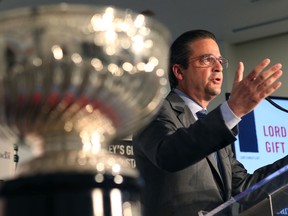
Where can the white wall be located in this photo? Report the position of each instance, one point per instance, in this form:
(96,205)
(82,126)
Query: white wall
(275,48)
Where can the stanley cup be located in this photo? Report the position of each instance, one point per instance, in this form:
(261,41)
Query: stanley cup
(74,79)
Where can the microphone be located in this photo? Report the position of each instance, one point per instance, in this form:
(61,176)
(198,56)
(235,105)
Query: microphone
(276,105)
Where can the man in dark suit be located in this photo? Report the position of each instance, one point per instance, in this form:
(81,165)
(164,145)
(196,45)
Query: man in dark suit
(176,152)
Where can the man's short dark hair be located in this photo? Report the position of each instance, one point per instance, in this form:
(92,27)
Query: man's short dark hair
(180,50)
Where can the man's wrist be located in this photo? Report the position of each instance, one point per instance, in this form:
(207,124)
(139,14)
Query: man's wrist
(231,120)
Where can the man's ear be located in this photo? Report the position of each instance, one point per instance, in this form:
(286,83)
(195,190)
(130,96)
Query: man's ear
(177,70)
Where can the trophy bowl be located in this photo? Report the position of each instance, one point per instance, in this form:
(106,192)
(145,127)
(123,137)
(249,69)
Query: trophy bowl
(74,79)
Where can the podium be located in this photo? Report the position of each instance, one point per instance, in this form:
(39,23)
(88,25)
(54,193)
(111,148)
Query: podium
(268,197)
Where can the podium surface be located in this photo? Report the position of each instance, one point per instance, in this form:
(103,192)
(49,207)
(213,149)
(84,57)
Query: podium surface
(268,197)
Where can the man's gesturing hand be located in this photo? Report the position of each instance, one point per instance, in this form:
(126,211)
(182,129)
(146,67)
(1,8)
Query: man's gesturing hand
(249,91)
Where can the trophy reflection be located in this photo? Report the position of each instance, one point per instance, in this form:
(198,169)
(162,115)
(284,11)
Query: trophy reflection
(74,79)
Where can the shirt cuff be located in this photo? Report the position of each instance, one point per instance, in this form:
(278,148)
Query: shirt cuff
(231,120)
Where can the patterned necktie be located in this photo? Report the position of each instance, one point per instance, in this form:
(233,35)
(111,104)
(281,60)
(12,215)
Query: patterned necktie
(202,114)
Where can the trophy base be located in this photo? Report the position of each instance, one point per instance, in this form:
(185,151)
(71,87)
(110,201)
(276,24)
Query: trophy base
(70,194)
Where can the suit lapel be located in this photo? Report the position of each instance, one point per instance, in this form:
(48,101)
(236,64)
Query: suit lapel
(225,174)
(183,112)
(186,118)
(213,162)
(217,175)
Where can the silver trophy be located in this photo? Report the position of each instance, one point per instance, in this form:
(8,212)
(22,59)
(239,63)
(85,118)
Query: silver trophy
(74,79)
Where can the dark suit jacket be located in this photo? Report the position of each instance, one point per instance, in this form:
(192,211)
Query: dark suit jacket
(173,155)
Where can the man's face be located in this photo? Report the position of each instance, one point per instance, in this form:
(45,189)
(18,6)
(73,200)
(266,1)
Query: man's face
(201,80)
